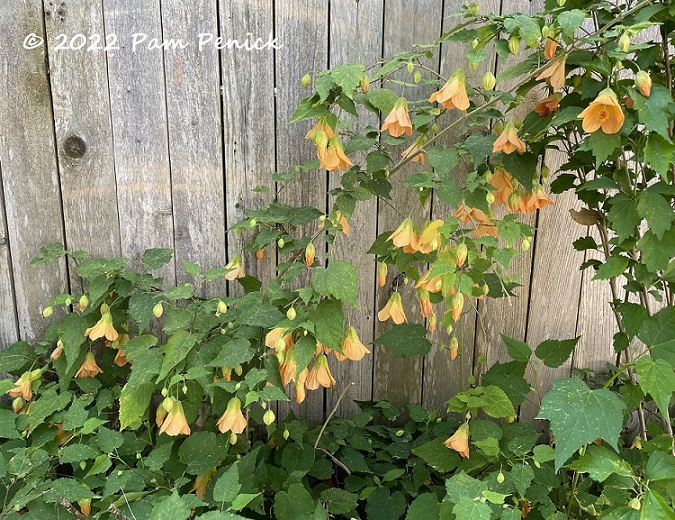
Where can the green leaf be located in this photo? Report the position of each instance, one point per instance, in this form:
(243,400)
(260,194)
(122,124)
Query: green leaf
(227,487)
(308,108)
(109,440)
(76,453)
(522,476)
(517,350)
(140,308)
(571,21)
(222,515)
(660,466)
(134,403)
(623,216)
(654,507)
(614,266)
(171,508)
(657,254)
(338,501)
(658,333)
(16,356)
(467,508)
(8,425)
(527,27)
(339,279)
(202,451)
(406,340)
(579,415)
(656,379)
(660,154)
(425,507)
(348,77)
(328,320)
(437,455)
(304,348)
(48,403)
(442,159)
(462,485)
(523,166)
(155,258)
(657,210)
(257,313)
(231,352)
(296,504)
(383,99)
(601,145)
(510,377)
(479,147)
(177,348)
(68,489)
(497,403)
(71,332)
(600,463)
(383,506)
(655,111)
(555,352)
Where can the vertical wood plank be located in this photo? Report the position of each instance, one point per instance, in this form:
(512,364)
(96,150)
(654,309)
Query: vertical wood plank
(9,327)
(139,123)
(556,283)
(350,17)
(400,380)
(79,84)
(195,147)
(248,122)
(302,28)
(29,164)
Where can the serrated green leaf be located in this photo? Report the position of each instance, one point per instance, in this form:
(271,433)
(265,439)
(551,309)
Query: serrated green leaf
(526,26)
(383,506)
(202,451)
(497,403)
(654,507)
(571,21)
(348,77)
(656,379)
(517,350)
(601,145)
(71,332)
(660,154)
(177,348)
(510,377)
(227,487)
(600,463)
(555,352)
(425,507)
(155,258)
(406,340)
(295,504)
(140,308)
(442,159)
(328,320)
(171,508)
(8,425)
(655,111)
(658,333)
(614,266)
(479,147)
(579,415)
(339,279)
(660,466)
(339,501)
(231,352)
(657,210)
(180,292)
(437,455)
(383,99)
(522,476)
(76,453)
(623,216)
(462,485)
(134,403)
(467,508)
(48,403)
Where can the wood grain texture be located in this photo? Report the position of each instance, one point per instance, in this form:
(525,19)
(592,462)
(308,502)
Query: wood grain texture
(139,123)
(400,380)
(79,85)
(363,18)
(195,145)
(302,28)
(29,171)
(248,123)
(9,326)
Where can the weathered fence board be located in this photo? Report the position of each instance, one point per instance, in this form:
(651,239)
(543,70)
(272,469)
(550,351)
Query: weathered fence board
(9,326)
(29,170)
(83,131)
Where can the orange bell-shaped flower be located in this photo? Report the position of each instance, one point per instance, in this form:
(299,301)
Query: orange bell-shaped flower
(233,419)
(393,309)
(453,94)
(460,441)
(603,113)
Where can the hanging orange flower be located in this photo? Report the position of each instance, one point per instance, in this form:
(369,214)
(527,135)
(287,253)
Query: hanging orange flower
(85,506)
(232,419)
(483,224)
(121,358)
(398,121)
(236,268)
(351,345)
(643,83)
(426,309)
(430,239)
(548,105)
(321,125)
(56,353)
(603,113)
(382,274)
(288,367)
(453,94)
(89,368)
(344,223)
(279,333)
(174,422)
(460,441)
(300,386)
(201,483)
(549,48)
(432,285)
(310,252)
(104,327)
(320,374)
(333,157)
(536,200)
(554,74)
(508,141)
(405,237)
(393,309)
(415,147)
(22,386)
(503,182)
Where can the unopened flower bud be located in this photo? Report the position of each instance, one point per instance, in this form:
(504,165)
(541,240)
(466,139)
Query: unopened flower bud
(260,254)
(47,311)
(222,307)
(238,369)
(526,244)
(643,83)
(184,389)
(448,329)
(233,438)
(417,76)
(561,3)
(500,477)
(268,417)
(514,44)
(473,9)
(310,252)
(462,252)
(84,302)
(454,347)
(68,301)
(435,128)
(253,223)
(167,404)
(410,66)
(165,392)
(291,314)
(237,386)
(624,42)
(490,198)
(306,81)
(365,83)
(158,310)
(400,433)
(634,503)
(381,274)
(281,243)
(286,434)
(489,81)
(17,404)
(83,464)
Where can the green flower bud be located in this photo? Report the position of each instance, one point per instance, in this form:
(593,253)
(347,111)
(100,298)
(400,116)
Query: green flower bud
(624,42)
(500,477)
(268,417)
(291,314)
(306,81)
(47,311)
(281,243)
(158,310)
(286,434)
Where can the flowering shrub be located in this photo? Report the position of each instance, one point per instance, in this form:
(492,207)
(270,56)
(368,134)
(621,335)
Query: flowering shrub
(141,401)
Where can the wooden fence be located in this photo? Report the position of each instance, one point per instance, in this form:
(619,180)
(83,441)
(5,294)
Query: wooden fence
(136,147)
